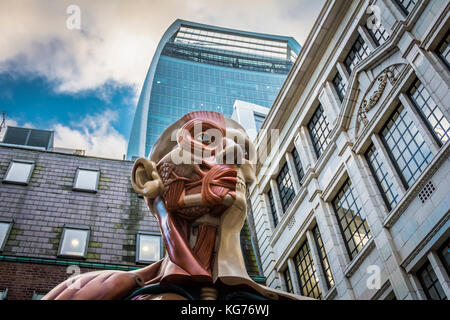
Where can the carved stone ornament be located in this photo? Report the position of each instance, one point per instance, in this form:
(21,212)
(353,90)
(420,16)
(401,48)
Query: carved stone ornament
(386,75)
(195,184)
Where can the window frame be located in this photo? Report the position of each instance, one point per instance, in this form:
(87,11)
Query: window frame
(419,109)
(420,278)
(355,252)
(9,221)
(377,180)
(36,295)
(288,280)
(324,146)
(273,209)
(138,243)
(441,257)
(403,8)
(436,50)
(74,188)
(349,67)
(373,34)
(299,276)
(74,227)
(4,294)
(398,170)
(31,162)
(322,257)
(288,197)
(340,92)
(298,165)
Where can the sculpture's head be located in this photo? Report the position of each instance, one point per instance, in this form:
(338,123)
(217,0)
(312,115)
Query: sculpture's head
(200,167)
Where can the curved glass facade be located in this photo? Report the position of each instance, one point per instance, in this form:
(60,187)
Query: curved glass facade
(200,67)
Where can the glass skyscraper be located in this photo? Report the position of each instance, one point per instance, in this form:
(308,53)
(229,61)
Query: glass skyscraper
(202,67)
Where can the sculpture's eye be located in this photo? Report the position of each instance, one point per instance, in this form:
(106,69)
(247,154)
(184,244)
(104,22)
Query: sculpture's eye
(205,138)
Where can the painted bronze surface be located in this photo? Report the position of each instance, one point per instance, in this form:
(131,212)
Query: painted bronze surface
(195,184)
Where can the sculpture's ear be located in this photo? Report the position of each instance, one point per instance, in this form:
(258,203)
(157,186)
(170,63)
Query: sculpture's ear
(145,179)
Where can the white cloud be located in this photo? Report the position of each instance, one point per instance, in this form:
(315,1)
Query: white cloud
(118,38)
(95,134)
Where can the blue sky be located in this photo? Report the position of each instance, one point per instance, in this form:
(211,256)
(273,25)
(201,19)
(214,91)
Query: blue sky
(84,83)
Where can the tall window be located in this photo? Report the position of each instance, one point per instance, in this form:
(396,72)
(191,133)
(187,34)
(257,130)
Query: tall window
(386,185)
(430,111)
(340,85)
(259,120)
(378,33)
(354,228)
(273,210)
(288,280)
(298,164)
(443,49)
(430,283)
(309,282)
(406,147)
(319,129)
(358,52)
(285,187)
(444,254)
(406,5)
(323,257)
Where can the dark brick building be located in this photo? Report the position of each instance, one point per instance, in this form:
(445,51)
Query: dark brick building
(36,214)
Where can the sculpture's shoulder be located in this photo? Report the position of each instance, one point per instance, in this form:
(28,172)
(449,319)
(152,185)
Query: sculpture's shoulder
(96,285)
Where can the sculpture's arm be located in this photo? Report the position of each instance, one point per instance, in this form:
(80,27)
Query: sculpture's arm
(97,285)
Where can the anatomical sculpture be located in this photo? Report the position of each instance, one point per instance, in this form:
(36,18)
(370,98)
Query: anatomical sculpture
(195,185)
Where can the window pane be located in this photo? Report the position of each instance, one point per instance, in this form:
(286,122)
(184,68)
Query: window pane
(406,5)
(354,228)
(298,164)
(272,208)
(387,187)
(74,242)
(285,187)
(430,283)
(19,172)
(323,257)
(444,253)
(259,119)
(409,151)
(358,52)
(309,282)
(319,130)
(340,85)
(287,278)
(378,34)
(443,49)
(87,179)
(4,227)
(430,111)
(149,248)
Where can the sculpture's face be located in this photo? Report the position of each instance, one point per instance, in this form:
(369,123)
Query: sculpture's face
(208,169)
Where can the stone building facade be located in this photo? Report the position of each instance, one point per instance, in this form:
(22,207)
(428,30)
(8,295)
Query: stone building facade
(37,215)
(352,201)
